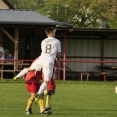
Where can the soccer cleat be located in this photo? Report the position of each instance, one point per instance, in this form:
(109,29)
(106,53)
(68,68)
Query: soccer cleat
(50,92)
(48,108)
(36,98)
(46,112)
(29,111)
(15,78)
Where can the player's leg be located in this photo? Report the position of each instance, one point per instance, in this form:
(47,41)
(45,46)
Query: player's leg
(48,100)
(41,103)
(32,88)
(47,76)
(30,103)
(50,91)
(34,66)
(23,72)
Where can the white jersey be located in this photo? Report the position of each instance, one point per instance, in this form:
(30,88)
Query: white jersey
(50,46)
(2,50)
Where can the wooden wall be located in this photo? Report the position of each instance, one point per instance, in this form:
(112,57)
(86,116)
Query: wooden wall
(89,49)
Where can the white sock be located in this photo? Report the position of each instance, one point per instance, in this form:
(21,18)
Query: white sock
(23,72)
(42,88)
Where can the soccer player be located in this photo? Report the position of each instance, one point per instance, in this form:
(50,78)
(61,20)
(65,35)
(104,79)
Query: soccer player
(33,85)
(51,49)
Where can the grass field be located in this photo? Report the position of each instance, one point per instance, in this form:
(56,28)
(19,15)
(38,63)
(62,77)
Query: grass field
(72,99)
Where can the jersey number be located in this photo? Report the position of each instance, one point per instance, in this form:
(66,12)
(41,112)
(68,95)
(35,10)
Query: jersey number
(48,49)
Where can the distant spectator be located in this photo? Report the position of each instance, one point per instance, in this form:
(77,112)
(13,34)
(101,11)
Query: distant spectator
(1,56)
(10,58)
(1,49)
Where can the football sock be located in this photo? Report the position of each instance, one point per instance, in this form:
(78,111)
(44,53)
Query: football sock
(48,99)
(23,72)
(29,105)
(45,92)
(42,88)
(41,104)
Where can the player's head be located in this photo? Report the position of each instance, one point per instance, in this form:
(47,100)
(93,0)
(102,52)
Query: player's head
(10,54)
(50,32)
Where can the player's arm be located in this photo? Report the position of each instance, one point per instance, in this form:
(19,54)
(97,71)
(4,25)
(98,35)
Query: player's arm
(59,51)
(58,56)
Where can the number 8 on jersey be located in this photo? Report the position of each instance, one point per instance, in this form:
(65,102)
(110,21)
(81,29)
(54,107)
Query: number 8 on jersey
(48,49)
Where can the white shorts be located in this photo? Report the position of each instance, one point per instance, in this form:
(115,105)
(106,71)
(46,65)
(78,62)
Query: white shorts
(45,65)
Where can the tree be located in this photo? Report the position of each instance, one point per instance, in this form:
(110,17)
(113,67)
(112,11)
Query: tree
(81,13)
(106,9)
(56,9)
(27,4)
(77,12)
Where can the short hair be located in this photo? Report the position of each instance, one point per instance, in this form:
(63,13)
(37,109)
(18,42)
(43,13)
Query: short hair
(49,30)
(10,53)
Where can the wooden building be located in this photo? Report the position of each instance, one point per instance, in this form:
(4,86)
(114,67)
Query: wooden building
(22,31)
(25,29)
(87,46)
(4,4)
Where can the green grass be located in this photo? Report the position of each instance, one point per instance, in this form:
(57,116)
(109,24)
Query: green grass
(72,99)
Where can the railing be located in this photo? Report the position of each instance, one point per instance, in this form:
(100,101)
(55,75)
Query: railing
(17,65)
(80,61)
(15,62)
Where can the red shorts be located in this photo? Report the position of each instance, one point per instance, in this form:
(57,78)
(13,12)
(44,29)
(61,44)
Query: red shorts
(33,87)
(51,85)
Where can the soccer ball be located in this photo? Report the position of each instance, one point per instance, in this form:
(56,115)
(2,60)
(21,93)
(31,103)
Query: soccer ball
(116,89)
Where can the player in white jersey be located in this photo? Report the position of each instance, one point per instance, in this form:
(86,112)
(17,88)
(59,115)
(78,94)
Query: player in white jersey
(51,49)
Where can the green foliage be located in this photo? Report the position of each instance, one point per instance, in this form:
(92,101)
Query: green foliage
(81,13)
(113,24)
